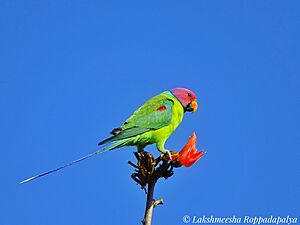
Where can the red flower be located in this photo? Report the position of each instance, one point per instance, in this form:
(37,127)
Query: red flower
(188,154)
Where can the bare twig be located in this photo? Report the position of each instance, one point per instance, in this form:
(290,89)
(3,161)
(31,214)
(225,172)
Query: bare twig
(150,205)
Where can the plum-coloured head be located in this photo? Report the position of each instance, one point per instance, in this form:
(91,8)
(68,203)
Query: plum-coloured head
(187,98)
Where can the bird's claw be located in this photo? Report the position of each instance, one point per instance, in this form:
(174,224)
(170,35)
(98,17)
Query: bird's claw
(166,156)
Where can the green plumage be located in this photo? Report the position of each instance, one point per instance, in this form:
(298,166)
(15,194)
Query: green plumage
(152,123)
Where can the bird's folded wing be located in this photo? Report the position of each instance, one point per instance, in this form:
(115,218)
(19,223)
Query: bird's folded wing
(153,115)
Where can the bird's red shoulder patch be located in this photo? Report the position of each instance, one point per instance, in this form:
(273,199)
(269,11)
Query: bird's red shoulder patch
(161,108)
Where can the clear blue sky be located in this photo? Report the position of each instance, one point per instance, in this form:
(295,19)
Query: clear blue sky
(73,70)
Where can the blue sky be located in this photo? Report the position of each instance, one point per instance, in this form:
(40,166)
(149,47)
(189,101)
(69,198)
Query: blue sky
(73,70)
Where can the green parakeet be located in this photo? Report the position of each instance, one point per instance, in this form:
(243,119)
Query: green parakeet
(152,123)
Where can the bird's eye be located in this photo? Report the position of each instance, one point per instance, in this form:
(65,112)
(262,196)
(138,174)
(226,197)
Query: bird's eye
(189,94)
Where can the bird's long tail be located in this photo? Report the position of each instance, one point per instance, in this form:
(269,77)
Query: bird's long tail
(104,149)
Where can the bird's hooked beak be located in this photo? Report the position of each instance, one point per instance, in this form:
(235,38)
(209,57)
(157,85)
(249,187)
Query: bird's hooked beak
(192,106)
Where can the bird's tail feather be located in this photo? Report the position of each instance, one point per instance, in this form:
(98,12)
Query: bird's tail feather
(112,146)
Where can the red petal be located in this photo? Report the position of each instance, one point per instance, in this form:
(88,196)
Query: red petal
(185,151)
(188,154)
(193,158)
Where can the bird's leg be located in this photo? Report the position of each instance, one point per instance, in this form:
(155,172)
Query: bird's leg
(140,148)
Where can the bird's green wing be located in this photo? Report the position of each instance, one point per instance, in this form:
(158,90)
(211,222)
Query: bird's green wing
(154,114)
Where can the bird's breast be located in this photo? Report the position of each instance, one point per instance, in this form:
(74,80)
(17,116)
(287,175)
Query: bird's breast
(164,132)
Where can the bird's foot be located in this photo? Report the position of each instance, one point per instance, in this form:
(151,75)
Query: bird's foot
(167,156)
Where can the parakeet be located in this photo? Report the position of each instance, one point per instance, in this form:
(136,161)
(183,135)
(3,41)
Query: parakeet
(152,123)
